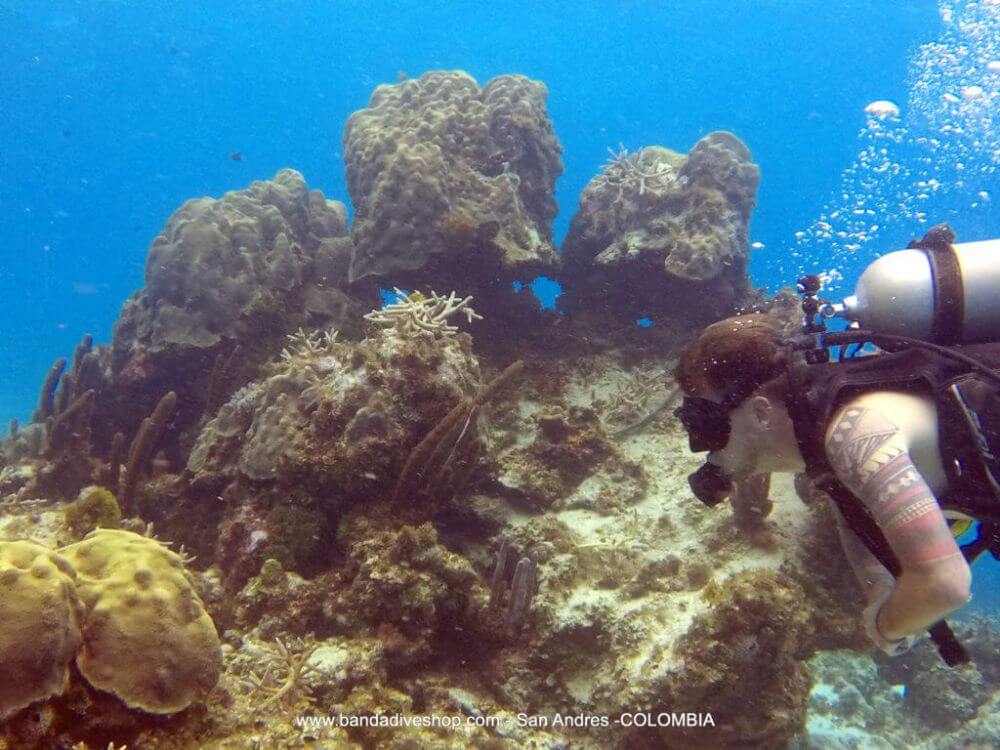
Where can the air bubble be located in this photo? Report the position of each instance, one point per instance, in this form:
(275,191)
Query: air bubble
(914,159)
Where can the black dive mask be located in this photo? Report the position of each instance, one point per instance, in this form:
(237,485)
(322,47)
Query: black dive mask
(706,422)
(708,427)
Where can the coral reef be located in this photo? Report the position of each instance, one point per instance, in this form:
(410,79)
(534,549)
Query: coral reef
(478,513)
(659,235)
(915,701)
(336,417)
(452,185)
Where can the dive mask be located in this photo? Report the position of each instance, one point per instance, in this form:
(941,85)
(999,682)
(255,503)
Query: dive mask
(706,422)
(708,427)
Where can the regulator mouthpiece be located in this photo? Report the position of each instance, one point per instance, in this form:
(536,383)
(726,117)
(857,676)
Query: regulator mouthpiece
(710,485)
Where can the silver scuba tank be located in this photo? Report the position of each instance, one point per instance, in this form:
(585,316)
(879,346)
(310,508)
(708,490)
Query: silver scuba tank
(948,294)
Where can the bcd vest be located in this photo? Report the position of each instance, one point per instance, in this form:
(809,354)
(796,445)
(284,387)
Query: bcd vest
(968,409)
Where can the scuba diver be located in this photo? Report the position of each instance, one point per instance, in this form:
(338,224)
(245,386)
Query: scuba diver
(903,439)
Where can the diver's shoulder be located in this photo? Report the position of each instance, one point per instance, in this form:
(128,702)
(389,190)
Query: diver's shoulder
(890,401)
(911,413)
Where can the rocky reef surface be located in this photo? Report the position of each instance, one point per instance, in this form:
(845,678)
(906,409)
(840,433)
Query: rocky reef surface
(274,505)
(660,234)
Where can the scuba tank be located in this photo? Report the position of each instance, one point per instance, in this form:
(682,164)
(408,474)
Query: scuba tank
(934,291)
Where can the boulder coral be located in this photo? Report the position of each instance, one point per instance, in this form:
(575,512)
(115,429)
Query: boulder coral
(218,259)
(452,181)
(662,234)
(241,271)
(40,616)
(146,636)
(118,603)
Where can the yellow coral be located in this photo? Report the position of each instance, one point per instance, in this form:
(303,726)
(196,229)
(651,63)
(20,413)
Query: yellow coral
(39,624)
(95,508)
(147,637)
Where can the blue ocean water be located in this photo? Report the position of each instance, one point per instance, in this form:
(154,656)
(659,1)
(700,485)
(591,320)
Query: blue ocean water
(113,113)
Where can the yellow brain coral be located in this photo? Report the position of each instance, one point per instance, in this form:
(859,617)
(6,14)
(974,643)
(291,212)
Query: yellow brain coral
(39,624)
(147,637)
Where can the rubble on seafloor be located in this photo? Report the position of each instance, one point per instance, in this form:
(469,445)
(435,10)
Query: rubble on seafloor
(460,512)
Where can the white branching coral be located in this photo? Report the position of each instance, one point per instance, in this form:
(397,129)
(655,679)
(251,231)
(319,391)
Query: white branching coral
(303,345)
(625,169)
(283,678)
(415,313)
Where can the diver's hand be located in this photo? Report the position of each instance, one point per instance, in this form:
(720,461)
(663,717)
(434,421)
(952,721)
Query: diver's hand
(870,617)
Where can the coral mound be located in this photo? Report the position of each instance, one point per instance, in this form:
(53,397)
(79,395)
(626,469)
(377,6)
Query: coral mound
(661,234)
(39,624)
(224,278)
(217,258)
(147,637)
(452,181)
(339,416)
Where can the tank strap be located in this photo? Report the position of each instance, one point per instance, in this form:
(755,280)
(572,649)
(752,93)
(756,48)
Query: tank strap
(946,278)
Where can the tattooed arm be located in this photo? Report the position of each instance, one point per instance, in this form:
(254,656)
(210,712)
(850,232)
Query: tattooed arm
(870,444)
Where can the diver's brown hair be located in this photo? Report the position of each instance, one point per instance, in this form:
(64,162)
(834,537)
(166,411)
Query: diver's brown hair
(734,357)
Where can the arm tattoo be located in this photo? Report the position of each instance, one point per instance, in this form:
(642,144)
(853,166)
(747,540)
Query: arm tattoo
(865,456)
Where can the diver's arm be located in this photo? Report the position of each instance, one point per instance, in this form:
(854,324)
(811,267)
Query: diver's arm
(871,574)
(870,454)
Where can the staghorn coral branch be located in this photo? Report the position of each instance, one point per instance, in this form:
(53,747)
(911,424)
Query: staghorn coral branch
(304,347)
(415,313)
(296,667)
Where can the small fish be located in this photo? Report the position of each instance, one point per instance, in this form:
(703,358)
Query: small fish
(401,75)
(236,156)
